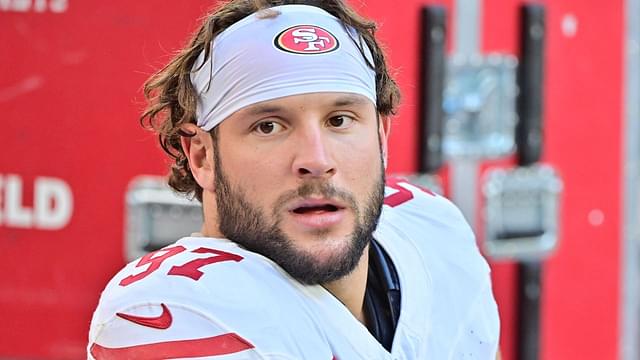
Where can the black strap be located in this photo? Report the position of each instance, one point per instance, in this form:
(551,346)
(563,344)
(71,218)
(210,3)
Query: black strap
(382,296)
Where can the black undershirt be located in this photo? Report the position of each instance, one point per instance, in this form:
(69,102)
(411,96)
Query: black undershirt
(382,296)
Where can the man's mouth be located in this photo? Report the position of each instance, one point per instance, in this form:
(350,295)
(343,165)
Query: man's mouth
(317,213)
(308,206)
(315,209)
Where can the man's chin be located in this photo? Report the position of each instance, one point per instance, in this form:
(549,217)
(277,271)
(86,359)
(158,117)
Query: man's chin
(317,269)
(320,243)
(323,260)
(330,253)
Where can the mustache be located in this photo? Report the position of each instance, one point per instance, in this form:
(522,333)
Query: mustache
(318,188)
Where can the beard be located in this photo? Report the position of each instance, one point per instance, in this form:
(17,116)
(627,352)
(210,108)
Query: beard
(247,225)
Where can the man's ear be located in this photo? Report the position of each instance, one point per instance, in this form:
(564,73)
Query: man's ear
(199,152)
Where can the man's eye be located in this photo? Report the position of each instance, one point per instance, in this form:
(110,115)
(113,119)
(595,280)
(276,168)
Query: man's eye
(340,121)
(268,128)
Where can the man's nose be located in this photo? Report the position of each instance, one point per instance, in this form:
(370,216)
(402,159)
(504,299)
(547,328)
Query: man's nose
(313,158)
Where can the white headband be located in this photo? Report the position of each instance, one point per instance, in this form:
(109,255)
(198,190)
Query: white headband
(302,50)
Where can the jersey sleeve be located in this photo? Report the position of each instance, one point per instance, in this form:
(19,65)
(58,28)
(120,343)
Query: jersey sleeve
(174,331)
(166,331)
(201,299)
(479,338)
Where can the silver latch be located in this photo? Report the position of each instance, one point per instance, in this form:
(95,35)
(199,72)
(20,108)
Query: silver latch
(480,106)
(156,216)
(521,214)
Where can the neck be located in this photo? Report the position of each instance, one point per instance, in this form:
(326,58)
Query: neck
(351,288)
(210,226)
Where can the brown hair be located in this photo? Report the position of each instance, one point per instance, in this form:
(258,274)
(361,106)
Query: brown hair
(172,98)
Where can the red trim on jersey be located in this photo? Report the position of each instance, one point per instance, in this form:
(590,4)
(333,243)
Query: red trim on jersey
(163,321)
(402,195)
(213,346)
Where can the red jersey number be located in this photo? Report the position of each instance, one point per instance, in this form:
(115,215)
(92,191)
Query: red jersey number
(190,269)
(155,259)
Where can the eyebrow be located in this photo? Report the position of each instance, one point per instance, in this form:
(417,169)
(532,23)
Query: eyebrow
(261,109)
(350,100)
(346,100)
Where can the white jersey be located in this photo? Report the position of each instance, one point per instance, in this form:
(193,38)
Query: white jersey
(208,298)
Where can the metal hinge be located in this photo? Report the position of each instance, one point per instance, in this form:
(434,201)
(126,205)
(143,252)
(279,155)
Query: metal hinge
(156,216)
(480,106)
(521,212)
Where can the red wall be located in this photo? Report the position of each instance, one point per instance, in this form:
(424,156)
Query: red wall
(69,98)
(583,114)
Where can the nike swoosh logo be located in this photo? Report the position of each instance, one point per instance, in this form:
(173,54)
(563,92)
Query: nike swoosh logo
(163,321)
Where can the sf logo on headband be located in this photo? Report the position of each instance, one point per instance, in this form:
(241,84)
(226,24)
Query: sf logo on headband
(306,39)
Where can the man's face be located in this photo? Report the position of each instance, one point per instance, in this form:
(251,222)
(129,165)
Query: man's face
(300,180)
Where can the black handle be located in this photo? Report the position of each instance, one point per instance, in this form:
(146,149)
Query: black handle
(530,81)
(529,140)
(432,87)
(529,291)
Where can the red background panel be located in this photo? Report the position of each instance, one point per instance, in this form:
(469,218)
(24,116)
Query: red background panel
(583,127)
(76,122)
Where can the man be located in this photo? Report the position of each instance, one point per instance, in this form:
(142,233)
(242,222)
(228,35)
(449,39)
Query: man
(277,118)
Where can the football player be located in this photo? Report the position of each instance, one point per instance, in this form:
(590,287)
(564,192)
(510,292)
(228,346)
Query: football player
(277,116)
